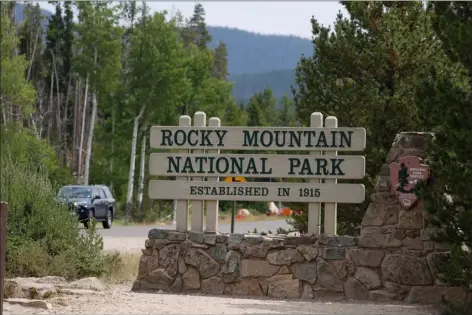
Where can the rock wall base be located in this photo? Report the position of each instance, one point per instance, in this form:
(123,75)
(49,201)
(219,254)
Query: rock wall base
(378,267)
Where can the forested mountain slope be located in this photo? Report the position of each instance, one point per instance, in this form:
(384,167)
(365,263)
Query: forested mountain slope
(255,61)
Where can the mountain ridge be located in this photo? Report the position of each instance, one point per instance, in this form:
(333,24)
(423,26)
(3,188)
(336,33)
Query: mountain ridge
(255,60)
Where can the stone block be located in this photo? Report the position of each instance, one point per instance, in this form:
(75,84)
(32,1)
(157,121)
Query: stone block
(330,253)
(355,290)
(327,276)
(218,252)
(283,271)
(158,234)
(253,239)
(384,198)
(428,245)
(380,214)
(299,240)
(378,241)
(369,278)
(257,268)
(281,287)
(254,251)
(412,243)
(305,271)
(366,257)
(413,233)
(161,243)
(147,251)
(149,243)
(169,258)
(396,288)
(160,276)
(285,257)
(384,296)
(197,237)
(322,294)
(246,287)
(435,294)
(306,291)
(231,270)
(308,251)
(177,236)
(177,285)
(221,238)
(182,267)
(210,239)
(235,239)
(213,285)
(407,270)
(203,262)
(341,268)
(410,219)
(337,240)
(191,279)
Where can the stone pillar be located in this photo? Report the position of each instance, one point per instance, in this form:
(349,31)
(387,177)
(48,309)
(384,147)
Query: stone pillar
(408,268)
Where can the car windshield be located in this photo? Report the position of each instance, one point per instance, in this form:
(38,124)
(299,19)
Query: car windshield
(75,192)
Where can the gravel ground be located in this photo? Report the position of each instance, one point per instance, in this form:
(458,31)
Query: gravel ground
(119,300)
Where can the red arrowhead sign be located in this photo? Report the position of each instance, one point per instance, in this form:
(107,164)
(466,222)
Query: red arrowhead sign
(404,176)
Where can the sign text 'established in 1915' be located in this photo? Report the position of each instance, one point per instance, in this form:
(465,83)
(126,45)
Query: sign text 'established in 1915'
(254,191)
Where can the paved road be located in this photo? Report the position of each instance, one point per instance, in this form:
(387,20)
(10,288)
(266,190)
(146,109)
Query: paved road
(131,238)
(239,227)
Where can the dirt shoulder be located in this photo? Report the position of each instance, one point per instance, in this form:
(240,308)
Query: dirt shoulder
(118,299)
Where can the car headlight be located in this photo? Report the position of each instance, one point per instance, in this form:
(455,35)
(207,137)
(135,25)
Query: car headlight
(80,204)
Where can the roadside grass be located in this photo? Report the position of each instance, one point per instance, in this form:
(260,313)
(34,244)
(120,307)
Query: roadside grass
(123,268)
(223,219)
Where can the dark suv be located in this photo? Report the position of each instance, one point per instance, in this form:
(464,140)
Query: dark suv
(89,201)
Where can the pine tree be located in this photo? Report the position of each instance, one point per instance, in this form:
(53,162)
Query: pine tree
(220,62)
(196,32)
(365,71)
(447,97)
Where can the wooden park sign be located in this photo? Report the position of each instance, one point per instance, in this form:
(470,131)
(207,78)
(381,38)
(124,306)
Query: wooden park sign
(404,175)
(201,161)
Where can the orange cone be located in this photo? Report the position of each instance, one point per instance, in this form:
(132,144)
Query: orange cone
(239,216)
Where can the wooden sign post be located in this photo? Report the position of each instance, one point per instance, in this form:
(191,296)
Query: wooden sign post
(237,179)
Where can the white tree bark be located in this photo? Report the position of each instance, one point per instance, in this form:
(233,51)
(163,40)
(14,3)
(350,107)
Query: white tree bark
(88,153)
(141,173)
(82,129)
(129,197)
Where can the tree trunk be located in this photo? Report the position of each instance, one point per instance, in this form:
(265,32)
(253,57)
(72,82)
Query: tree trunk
(112,157)
(141,173)
(49,112)
(129,196)
(65,137)
(74,128)
(82,130)
(58,112)
(32,57)
(90,138)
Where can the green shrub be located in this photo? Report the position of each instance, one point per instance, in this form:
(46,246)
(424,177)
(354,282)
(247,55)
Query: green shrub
(42,236)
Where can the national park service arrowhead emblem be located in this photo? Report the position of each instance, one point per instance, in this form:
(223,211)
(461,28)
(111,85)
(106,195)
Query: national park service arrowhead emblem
(404,176)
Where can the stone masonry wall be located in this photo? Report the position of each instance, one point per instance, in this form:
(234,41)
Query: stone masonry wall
(392,260)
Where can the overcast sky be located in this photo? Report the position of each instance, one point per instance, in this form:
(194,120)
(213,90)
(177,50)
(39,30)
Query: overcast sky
(268,17)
